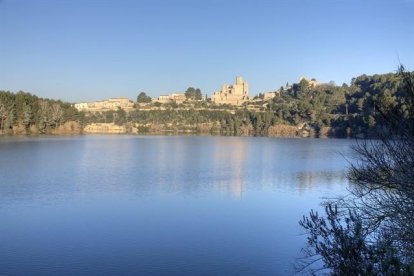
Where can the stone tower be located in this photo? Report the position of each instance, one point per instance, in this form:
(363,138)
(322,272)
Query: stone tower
(235,94)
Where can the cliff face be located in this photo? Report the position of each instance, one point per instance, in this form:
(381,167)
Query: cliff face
(280,130)
(283,131)
(74,128)
(68,128)
(104,128)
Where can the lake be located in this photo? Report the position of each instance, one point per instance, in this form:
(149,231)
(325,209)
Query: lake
(156,205)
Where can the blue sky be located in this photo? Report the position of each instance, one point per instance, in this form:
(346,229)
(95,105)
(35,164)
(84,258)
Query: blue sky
(82,50)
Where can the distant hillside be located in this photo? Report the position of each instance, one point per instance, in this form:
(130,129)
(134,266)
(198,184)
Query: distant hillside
(304,109)
(24,113)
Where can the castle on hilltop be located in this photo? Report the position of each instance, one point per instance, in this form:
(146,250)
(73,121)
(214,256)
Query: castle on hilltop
(235,94)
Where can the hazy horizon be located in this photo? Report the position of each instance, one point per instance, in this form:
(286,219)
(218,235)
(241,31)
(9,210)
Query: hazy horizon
(91,50)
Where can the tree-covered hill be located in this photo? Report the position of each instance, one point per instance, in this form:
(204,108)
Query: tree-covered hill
(302,109)
(24,113)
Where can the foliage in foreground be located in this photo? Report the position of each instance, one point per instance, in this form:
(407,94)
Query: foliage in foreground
(372,232)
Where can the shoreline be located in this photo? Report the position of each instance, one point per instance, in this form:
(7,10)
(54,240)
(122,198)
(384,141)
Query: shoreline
(73,128)
(164,135)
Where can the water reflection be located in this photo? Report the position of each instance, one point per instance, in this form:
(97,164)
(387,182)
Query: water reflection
(186,165)
(229,166)
(147,205)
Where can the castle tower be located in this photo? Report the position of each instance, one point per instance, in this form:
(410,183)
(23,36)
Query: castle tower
(235,94)
(239,80)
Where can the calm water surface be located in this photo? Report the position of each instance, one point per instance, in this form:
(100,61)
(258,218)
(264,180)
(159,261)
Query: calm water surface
(129,205)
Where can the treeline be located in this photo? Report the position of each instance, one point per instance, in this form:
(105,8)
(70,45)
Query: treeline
(221,122)
(304,108)
(366,98)
(24,113)
(347,111)
(314,110)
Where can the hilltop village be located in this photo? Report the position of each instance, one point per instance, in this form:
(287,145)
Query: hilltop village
(231,99)
(303,109)
(234,95)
